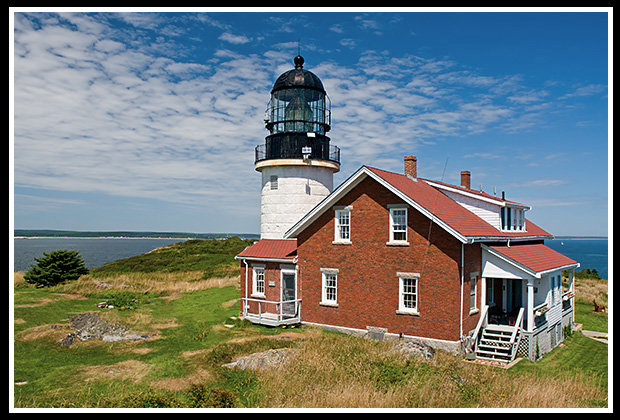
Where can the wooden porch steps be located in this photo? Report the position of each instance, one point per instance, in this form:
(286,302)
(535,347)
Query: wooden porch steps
(495,343)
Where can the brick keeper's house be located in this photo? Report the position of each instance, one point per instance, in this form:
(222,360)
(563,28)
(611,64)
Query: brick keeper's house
(394,255)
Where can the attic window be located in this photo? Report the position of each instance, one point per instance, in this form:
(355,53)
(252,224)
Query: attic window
(398,224)
(274,182)
(512,219)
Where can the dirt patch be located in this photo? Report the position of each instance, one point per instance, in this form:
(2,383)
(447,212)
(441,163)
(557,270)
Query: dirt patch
(132,370)
(55,332)
(179,384)
(40,302)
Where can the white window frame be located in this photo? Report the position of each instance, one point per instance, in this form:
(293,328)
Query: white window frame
(393,208)
(512,219)
(328,274)
(405,290)
(338,213)
(473,293)
(490,291)
(258,281)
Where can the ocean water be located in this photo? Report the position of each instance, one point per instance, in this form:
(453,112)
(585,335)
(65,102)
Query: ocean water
(94,251)
(590,253)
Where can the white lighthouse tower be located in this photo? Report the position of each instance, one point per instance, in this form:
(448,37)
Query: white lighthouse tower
(296,161)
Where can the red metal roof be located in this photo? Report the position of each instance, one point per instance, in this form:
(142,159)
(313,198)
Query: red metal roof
(536,257)
(281,249)
(449,211)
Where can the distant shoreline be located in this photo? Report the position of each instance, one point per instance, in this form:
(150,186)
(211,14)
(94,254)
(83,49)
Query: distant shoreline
(581,238)
(69,234)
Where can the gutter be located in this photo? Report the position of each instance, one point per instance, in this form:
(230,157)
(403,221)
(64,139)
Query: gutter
(462,281)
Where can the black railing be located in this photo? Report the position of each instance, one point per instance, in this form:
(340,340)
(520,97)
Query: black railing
(285,150)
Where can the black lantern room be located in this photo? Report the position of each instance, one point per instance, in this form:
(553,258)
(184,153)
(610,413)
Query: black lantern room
(298,116)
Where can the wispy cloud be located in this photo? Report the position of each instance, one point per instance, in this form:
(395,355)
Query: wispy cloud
(588,90)
(124,113)
(234,39)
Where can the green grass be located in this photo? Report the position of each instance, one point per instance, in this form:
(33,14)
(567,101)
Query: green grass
(57,376)
(46,365)
(214,257)
(191,344)
(592,321)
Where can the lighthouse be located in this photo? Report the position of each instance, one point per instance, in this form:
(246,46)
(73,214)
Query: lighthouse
(297,162)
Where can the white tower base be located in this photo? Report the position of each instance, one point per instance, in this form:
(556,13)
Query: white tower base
(290,189)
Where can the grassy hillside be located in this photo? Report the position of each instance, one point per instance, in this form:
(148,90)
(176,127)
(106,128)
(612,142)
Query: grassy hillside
(186,304)
(215,258)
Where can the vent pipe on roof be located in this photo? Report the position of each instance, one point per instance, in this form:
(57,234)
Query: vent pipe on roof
(466,179)
(411,166)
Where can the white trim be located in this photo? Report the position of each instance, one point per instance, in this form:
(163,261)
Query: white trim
(324,300)
(255,270)
(338,210)
(392,208)
(283,271)
(402,310)
(473,277)
(280,260)
(496,201)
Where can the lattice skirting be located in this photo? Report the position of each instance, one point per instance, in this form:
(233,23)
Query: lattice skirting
(524,346)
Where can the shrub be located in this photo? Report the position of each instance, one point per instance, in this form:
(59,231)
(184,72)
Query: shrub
(56,267)
(202,397)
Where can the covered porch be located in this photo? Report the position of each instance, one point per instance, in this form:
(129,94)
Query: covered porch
(525,306)
(269,283)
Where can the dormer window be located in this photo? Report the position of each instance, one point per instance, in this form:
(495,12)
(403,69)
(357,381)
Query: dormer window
(512,219)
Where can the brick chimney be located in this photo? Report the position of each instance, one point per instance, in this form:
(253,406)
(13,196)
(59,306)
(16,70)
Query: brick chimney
(466,179)
(411,166)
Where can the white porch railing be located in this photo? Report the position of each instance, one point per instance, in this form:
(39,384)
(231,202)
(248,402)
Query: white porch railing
(266,317)
(482,322)
(516,336)
(496,342)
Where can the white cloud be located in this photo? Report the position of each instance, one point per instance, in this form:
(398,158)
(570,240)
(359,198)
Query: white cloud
(588,90)
(234,39)
(101,110)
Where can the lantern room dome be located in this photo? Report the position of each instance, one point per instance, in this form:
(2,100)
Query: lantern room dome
(297,78)
(298,117)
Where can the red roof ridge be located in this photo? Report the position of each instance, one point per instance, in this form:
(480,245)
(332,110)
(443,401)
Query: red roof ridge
(446,209)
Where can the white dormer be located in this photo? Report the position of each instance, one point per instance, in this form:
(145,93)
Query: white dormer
(506,216)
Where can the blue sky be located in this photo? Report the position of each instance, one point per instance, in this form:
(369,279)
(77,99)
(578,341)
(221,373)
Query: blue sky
(148,120)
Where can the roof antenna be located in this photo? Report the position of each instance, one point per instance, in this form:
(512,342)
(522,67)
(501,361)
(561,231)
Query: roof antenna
(298,46)
(430,226)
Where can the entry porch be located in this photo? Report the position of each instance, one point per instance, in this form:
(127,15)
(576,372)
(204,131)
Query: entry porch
(525,304)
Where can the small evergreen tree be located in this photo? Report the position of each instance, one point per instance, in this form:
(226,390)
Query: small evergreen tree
(56,267)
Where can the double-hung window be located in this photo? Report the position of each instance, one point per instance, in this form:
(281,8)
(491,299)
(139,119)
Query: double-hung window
(408,293)
(258,281)
(329,295)
(472,292)
(398,224)
(342,225)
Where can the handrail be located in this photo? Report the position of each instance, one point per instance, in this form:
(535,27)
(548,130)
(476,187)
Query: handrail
(276,302)
(518,325)
(481,320)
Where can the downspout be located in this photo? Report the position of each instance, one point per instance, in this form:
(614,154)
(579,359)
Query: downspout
(462,281)
(245,301)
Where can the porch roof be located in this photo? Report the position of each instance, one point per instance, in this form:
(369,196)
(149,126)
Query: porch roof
(535,258)
(271,249)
